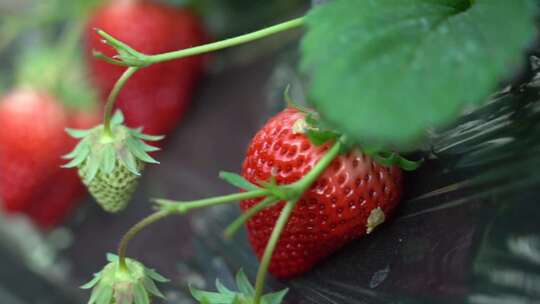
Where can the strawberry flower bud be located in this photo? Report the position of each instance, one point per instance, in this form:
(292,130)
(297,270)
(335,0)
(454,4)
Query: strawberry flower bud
(133,284)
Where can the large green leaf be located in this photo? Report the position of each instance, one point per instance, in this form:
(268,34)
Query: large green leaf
(385,71)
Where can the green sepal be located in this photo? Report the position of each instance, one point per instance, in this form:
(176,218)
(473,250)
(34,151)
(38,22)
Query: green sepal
(222,289)
(111,257)
(99,151)
(390,159)
(151,287)
(156,276)
(77,133)
(109,160)
(140,295)
(96,293)
(211,297)
(317,133)
(78,155)
(243,284)
(92,167)
(127,56)
(137,148)
(291,103)
(83,145)
(131,285)
(105,295)
(238,300)
(92,283)
(245,295)
(148,137)
(148,148)
(319,138)
(118,118)
(237,180)
(275,297)
(128,160)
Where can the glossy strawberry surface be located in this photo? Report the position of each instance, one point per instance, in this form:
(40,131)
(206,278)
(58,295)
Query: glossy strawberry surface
(352,196)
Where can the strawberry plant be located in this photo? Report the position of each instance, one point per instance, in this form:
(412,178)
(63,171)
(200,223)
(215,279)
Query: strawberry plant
(381,75)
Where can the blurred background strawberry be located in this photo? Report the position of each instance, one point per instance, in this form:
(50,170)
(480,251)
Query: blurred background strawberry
(156,97)
(47,93)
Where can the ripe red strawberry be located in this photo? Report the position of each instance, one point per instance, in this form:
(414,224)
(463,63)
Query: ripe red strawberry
(32,138)
(348,200)
(56,198)
(157,97)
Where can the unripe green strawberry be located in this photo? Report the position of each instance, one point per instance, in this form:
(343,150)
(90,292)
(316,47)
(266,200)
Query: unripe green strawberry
(110,162)
(112,190)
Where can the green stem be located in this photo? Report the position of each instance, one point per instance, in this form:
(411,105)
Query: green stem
(268,252)
(299,188)
(180,207)
(151,59)
(183,207)
(210,47)
(122,247)
(113,96)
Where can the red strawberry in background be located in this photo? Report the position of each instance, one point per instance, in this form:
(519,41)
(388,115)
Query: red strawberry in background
(157,97)
(55,200)
(59,195)
(348,200)
(31,139)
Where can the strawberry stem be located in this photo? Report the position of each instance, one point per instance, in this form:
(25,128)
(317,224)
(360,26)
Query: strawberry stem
(269,251)
(109,106)
(135,60)
(168,207)
(210,47)
(128,56)
(133,231)
(184,207)
(298,189)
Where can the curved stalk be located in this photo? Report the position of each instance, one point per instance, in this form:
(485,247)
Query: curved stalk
(151,59)
(133,231)
(299,188)
(269,251)
(113,96)
(172,207)
(226,43)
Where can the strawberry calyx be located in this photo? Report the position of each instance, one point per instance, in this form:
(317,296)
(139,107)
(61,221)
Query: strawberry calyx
(109,161)
(319,134)
(244,295)
(127,56)
(130,284)
(103,152)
